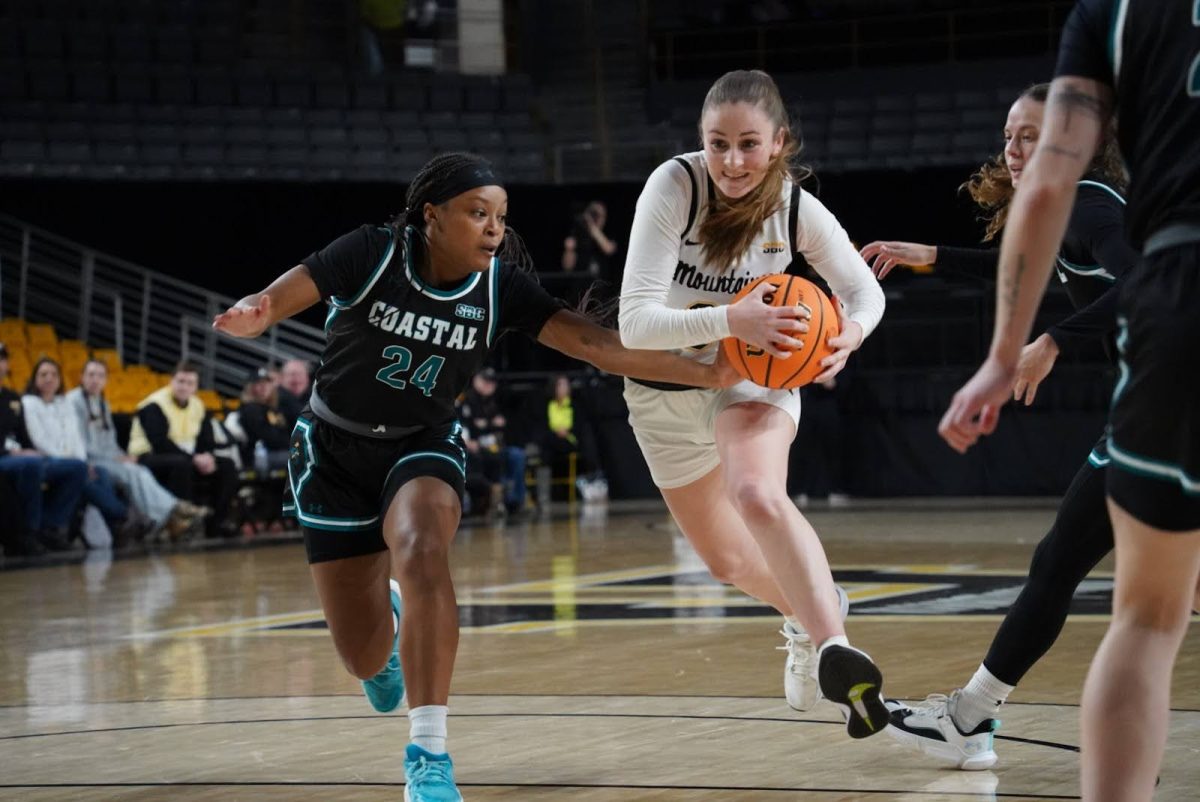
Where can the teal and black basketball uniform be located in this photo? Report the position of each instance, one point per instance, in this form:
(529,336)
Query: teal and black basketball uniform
(398,353)
(1092,263)
(1148,51)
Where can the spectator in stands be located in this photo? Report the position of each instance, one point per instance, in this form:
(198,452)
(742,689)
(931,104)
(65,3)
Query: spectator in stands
(14,540)
(565,437)
(587,248)
(480,412)
(46,517)
(483,489)
(171,515)
(55,431)
(176,438)
(263,432)
(295,386)
(263,420)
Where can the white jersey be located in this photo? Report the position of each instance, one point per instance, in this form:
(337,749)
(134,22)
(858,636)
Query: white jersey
(673,299)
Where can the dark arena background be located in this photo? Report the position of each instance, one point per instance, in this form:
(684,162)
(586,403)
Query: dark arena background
(160,159)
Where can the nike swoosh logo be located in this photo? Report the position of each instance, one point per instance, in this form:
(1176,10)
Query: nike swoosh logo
(689,242)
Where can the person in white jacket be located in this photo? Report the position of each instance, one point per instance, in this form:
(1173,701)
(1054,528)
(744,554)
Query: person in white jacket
(708,224)
(55,431)
(172,516)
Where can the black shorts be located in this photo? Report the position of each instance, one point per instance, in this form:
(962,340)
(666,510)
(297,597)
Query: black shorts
(340,484)
(1154,432)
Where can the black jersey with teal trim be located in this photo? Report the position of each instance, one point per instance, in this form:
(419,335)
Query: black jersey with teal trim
(1149,52)
(1094,255)
(399,351)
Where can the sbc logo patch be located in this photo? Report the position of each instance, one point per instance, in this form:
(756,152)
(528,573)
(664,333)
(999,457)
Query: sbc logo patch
(469,312)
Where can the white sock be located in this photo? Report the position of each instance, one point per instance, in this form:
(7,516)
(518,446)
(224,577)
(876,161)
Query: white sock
(790,621)
(834,640)
(980,699)
(427,727)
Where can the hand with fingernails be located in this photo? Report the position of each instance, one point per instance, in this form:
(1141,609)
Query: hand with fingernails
(975,409)
(753,320)
(245,319)
(888,254)
(846,342)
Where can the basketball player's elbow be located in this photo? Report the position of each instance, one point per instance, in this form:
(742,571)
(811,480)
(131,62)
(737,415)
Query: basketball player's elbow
(631,332)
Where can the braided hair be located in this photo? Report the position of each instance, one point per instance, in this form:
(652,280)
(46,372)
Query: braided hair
(430,182)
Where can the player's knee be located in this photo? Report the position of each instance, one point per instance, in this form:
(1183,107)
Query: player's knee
(362,665)
(756,501)
(1157,610)
(421,551)
(728,567)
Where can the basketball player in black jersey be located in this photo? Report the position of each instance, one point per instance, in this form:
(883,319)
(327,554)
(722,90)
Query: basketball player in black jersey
(1139,60)
(1093,256)
(377,460)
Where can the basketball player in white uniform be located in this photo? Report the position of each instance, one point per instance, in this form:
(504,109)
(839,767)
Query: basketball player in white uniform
(707,224)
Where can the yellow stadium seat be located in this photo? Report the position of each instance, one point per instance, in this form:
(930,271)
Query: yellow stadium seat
(44,350)
(12,332)
(41,334)
(109,357)
(211,400)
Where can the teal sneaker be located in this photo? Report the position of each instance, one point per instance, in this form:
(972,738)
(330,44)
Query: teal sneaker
(385,690)
(428,777)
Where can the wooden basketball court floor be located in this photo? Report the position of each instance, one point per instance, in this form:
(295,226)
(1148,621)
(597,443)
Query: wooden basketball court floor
(597,663)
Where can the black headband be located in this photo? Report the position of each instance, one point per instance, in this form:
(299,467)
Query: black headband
(469,176)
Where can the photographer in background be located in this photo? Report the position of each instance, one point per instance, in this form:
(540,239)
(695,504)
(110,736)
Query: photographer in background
(587,248)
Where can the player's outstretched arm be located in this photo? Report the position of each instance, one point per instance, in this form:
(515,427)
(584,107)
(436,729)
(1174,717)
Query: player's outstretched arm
(577,336)
(287,295)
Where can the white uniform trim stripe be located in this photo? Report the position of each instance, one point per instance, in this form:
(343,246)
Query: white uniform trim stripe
(362,293)
(1089,183)
(1154,468)
(1079,270)
(339,523)
(1118,34)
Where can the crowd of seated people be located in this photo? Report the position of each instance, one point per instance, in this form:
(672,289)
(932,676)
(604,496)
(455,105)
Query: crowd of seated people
(187,472)
(61,454)
(169,515)
(45,516)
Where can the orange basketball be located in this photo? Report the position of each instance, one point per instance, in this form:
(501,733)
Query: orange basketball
(804,364)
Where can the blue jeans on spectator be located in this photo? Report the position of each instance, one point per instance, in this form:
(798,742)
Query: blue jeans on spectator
(101,493)
(513,477)
(65,477)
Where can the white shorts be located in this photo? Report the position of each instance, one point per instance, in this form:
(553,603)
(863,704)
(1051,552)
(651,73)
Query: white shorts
(676,429)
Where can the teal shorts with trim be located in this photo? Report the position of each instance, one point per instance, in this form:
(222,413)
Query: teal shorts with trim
(341,484)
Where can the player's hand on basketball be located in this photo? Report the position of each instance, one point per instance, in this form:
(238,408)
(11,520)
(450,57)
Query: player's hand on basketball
(245,319)
(844,343)
(1035,364)
(887,255)
(975,409)
(772,328)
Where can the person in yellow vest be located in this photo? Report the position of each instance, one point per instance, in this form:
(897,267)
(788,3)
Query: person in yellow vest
(563,437)
(175,437)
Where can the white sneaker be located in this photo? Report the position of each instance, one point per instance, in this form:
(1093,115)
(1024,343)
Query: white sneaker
(930,728)
(800,686)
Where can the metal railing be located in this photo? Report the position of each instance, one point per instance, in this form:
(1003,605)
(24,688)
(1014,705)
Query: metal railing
(146,316)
